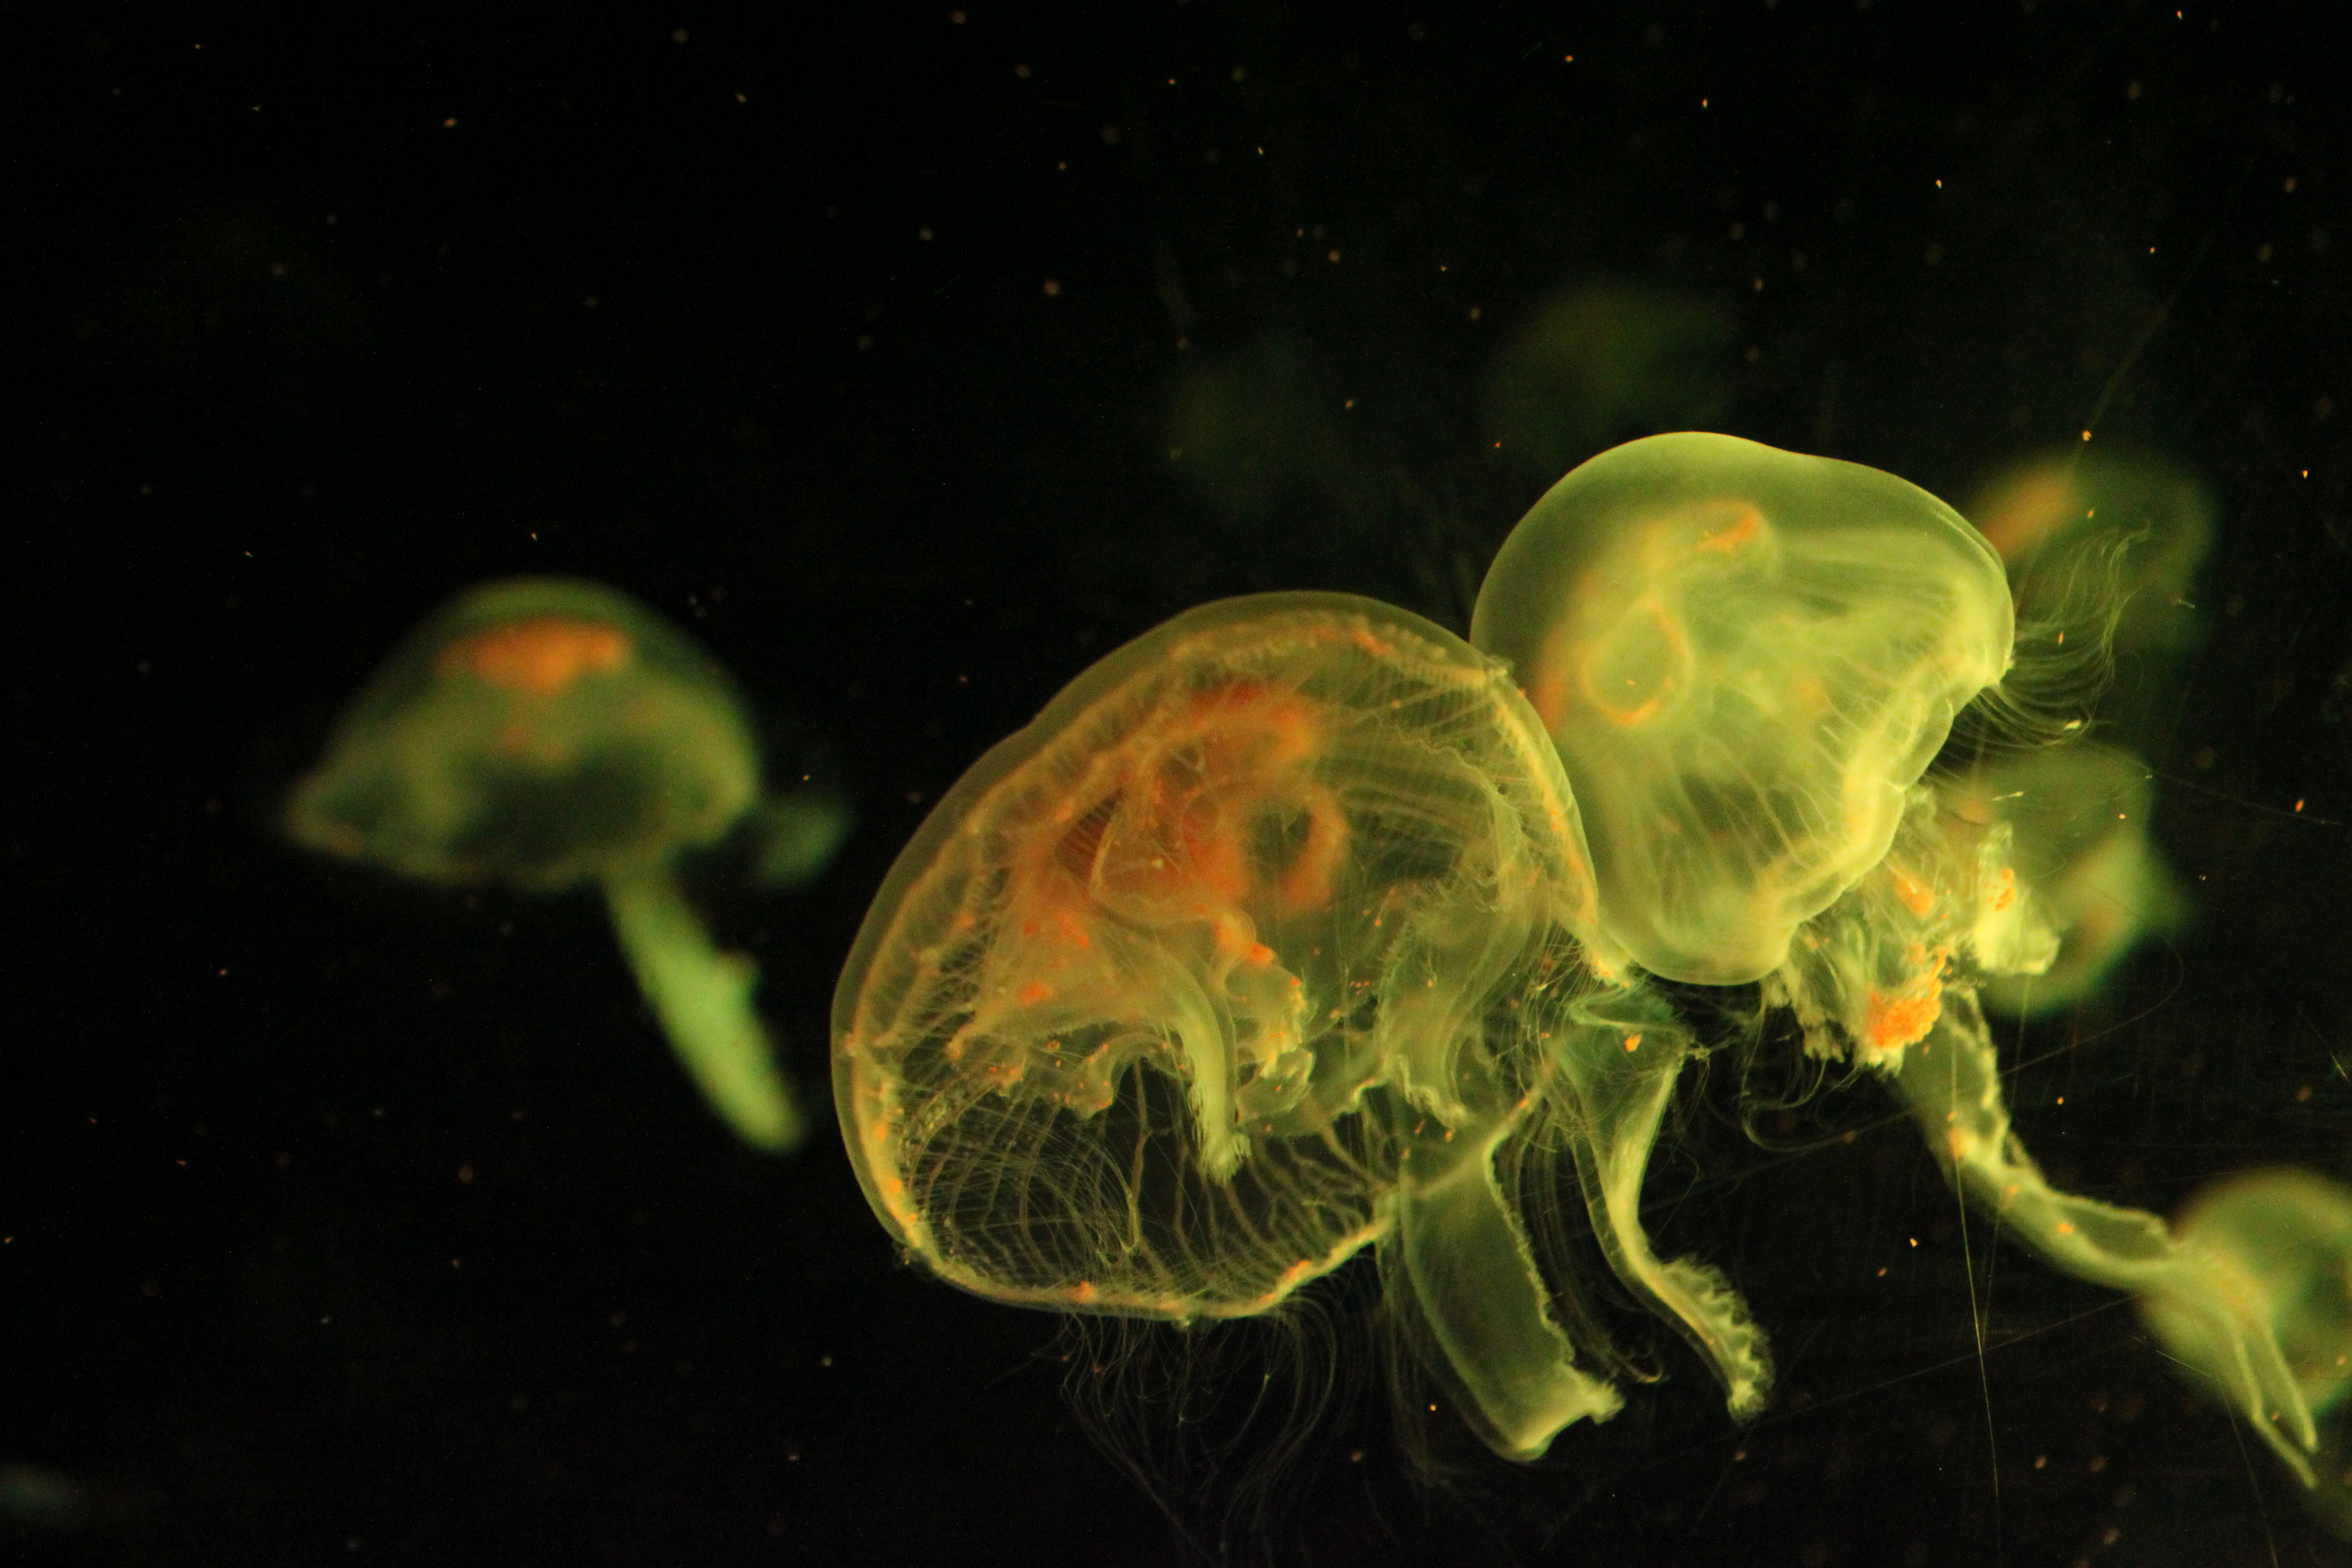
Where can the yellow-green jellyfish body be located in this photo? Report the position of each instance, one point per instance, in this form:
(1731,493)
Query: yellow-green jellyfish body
(1746,656)
(1748,661)
(548,732)
(2284,1240)
(1242,957)
(2281,1242)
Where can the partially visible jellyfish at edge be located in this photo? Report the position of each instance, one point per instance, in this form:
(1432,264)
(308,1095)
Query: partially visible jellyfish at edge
(1249,952)
(2283,1241)
(548,732)
(1749,660)
(1745,656)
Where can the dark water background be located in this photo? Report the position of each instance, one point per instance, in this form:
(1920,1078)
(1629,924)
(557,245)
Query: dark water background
(351,1222)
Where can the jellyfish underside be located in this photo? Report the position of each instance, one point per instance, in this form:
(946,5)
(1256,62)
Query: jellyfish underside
(1888,977)
(545,733)
(1252,951)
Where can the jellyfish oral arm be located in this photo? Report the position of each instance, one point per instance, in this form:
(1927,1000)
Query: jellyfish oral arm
(703,998)
(1621,1078)
(1950,1081)
(1468,1267)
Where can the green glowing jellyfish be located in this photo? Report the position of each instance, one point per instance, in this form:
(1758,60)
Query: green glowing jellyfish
(1747,660)
(1247,954)
(2286,1237)
(546,732)
(2283,1241)
(1745,656)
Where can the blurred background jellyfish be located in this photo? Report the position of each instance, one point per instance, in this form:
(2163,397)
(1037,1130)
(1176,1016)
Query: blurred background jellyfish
(545,733)
(2078,818)
(2102,551)
(1259,428)
(2283,1240)
(1749,660)
(1247,954)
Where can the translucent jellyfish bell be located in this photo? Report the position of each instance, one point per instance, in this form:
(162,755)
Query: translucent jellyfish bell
(1245,955)
(1746,656)
(1889,976)
(546,732)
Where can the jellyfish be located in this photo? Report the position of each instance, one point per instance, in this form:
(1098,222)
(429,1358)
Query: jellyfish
(2097,538)
(2283,1240)
(1888,978)
(1746,656)
(2102,551)
(545,733)
(1749,660)
(2079,821)
(1249,954)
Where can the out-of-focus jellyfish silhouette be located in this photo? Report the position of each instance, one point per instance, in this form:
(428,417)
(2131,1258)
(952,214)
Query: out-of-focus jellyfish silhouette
(1746,656)
(1247,954)
(1747,660)
(2078,818)
(2103,549)
(2283,1241)
(546,732)
(1601,363)
(1260,427)
(2102,537)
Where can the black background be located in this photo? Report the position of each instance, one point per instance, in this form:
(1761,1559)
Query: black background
(348,1221)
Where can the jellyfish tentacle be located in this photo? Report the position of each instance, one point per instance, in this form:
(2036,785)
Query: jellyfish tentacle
(1471,1275)
(702,995)
(1950,1081)
(1622,1070)
(1309,865)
